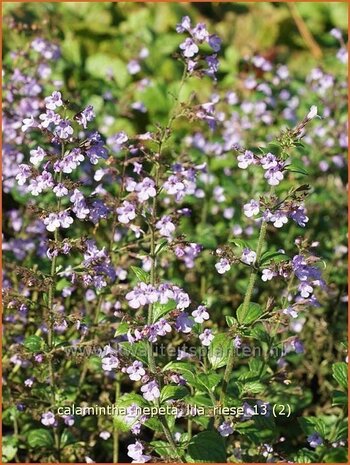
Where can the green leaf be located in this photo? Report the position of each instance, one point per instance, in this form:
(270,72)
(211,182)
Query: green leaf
(62,283)
(34,343)
(67,438)
(173,392)
(123,328)
(252,313)
(311,424)
(305,456)
(297,167)
(241,243)
(162,448)
(186,369)
(160,310)
(162,245)
(208,446)
(40,438)
(140,274)
(125,401)
(9,448)
(219,350)
(340,374)
(275,256)
(138,350)
(230,321)
(209,381)
(339,398)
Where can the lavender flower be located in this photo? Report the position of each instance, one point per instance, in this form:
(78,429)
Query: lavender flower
(315,440)
(135,451)
(126,212)
(223,266)
(48,419)
(200,314)
(151,391)
(206,337)
(136,371)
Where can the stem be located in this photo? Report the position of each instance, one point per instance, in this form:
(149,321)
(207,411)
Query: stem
(51,295)
(150,354)
(115,428)
(245,307)
(100,299)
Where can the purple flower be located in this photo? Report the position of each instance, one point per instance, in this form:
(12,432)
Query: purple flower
(28,123)
(223,265)
(54,101)
(184,323)
(237,342)
(135,451)
(50,117)
(290,312)
(145,189)
(37,185)
(298,346)
(105,435)
(136,371)
(213,65)
(52,222)
(184,25)
(267,274)
(23,174)
(173,185)
(269,161)
(64,129)
(79,208)
(68,420)
(126,212)
(251,208)
(274,176)
(150,391)
(85,116)
(305,289)
(299,216)
(137,297)
(29,382)
(315,440)
(278,218)
(225,429)
(37,156)
(248,256)
(70,161)
(206,337)
(189,48)
(60,190)
(65,219)
(109,359)
(246,159)
(200,33)
(165,226)
(48,419)
(215,42)
(200,314)
(133,67)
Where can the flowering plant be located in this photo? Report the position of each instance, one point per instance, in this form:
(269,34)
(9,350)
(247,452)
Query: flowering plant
(160,279)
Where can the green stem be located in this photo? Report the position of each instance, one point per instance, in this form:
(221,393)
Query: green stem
(245,307)
(115,427)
